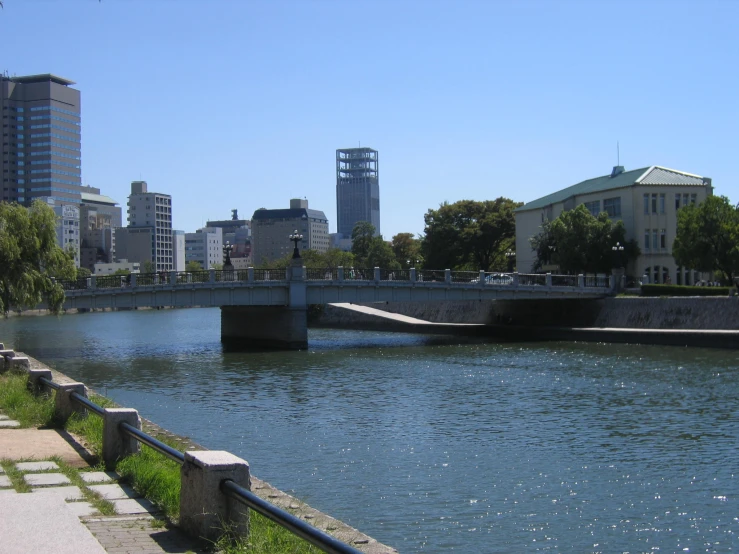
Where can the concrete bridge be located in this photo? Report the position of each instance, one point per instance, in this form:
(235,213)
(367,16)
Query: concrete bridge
(268,307)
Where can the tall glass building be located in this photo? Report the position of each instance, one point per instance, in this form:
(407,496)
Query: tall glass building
(357,189)
(41,139)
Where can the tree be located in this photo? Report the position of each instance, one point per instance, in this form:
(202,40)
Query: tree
(83,273)
(579,243)
(122,272)
(363,234)
(707,237)
(469,234)
(192,265)
(407,250)
(148,267)
(381,255)
(30,257)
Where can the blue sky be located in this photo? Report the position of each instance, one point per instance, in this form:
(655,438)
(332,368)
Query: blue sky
(242,104)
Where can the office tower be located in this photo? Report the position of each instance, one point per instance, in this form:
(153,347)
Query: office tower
(205,246)
(357,189)
(148,237)
(41,139)
(271,229)
(99,216)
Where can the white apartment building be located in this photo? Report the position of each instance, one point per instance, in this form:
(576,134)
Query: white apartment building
(646,200)
(152,210)
(205,246)
(178,250)
(67,228)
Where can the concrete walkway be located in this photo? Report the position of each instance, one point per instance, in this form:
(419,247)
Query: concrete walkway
(57,516)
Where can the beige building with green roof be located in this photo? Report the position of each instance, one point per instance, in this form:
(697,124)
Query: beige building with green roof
(646,200)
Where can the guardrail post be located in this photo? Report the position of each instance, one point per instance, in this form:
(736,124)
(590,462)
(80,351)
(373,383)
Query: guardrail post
(64,405)
(447,275)
(16,363)
(117,445)
(581,281)
(211,275)
(250,274)
(376,274)
(340,272)
(204,509)
(549,279)
(413,275)
(133,279)
(34,385)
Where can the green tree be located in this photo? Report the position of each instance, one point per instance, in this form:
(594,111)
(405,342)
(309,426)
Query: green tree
(363,234)
(707,237)
(30,257)
(122,272)
(192,265)
(148,267)
(83,273)
(579,243)
(469,234)
(407,250)
(381,255)
(335,257)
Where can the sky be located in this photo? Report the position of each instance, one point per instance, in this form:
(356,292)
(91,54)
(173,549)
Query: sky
(229,104)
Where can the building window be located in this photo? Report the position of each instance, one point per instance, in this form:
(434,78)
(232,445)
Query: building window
(646,239)
(654,239)
(663,238)
(693,198)
(593,207)
(685,199)
(662,201)
(646,204)
(654,203)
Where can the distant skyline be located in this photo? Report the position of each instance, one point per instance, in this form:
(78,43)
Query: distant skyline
(230,104)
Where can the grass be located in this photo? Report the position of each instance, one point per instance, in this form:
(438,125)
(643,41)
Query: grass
(154,476)
(20,405)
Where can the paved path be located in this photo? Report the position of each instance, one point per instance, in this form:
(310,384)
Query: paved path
(57,516)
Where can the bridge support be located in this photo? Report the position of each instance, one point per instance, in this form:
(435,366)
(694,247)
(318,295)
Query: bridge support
(279,327)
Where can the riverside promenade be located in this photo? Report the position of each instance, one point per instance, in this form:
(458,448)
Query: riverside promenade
(51,490)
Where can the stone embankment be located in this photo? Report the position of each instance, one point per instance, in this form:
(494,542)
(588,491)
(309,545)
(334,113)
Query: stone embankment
(687,321)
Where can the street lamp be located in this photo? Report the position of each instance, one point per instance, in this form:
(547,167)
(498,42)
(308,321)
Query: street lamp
(227,252)
(618,251)
(296,238)
(409,262)
(511,257)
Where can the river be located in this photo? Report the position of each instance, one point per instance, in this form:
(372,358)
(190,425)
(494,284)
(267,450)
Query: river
(434,444)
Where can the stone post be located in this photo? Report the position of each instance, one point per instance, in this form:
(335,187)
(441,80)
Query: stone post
(413,274)
(173,278)
(133,279)
(116,444)
(204,509)
(612,282)
(340,272)
(447,276)
(34,385)
(376,274)
(581,281)
(65,406)
(549,280)
(515,279)
(17,363)
(4,355)
(250,274)
(211,275)
(92,282)
(481,278)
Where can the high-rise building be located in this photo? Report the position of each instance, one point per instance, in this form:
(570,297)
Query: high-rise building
(205,246)
(236,232)
(357,189)
(271,229)
(149,219)
(99,216)
(41,139)
(178,250)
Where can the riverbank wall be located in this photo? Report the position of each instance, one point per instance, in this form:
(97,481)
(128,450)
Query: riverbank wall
(694,313)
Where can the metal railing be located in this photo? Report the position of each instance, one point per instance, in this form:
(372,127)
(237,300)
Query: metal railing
(285,519)
(564,280)
(532,279)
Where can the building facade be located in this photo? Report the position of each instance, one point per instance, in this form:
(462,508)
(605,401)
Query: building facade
(99,216)
(204,246)
(236,232)
(178,250)
(68,229)
(647,200)
(357,189)
(152,210)
(41,154)
(271,229)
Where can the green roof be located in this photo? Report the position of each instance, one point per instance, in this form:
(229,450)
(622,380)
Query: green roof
(598,184)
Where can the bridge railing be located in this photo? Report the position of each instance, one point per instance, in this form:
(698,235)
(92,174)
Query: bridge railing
(531,279)
(597,281)
(395,275)
(270,274)
(564,280)
(321,274)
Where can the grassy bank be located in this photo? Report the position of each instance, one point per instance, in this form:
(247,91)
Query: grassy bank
(155,477)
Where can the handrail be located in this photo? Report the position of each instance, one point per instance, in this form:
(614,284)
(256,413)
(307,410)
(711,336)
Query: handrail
(294,524)
(48,383)
(151,442)
(87,403)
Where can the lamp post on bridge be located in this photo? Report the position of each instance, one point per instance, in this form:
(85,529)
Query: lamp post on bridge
(618,272)
(228,266)
(511,257)
(296,238)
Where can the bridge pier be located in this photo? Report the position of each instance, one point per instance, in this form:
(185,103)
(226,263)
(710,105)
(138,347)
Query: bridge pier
(280,327)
